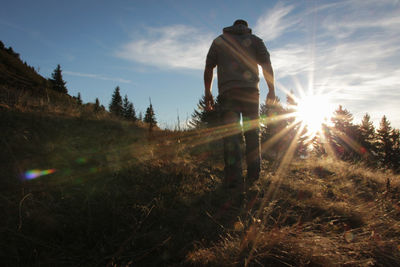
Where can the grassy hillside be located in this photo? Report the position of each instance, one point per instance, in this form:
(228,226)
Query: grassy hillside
(17,74)
(117,196)
(79,188)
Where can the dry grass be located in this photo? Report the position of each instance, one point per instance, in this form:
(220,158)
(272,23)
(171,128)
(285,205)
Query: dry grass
(122,197)
(323,213)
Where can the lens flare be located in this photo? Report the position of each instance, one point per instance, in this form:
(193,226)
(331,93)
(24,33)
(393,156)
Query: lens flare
(35,173)
(81,160)
(313,111)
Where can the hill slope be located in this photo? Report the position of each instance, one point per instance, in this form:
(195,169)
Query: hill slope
(17,74)
(79,188)
(116,196)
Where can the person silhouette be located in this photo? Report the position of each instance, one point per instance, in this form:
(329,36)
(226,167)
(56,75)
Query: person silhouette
(237,53)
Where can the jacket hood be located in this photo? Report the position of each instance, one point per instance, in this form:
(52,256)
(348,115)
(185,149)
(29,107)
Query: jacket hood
(237,29)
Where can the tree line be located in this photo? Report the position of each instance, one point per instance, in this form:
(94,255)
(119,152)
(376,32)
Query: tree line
(340,136)
(119,107)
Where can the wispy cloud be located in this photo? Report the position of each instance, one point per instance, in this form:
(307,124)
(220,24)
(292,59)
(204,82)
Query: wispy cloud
(275,22)
(176,46)
(96,76)
(353,54)
(349,49)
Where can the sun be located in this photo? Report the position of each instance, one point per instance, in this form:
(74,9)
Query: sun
(313,111)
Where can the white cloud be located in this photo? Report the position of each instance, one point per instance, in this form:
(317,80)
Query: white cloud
(353,54)
(275,22)
(349,49)
(96,76)
(176,46)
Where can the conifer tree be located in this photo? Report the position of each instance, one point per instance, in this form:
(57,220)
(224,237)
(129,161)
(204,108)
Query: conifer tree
(96,105)
(201,118)
(79,99)
(125,107)
(344,134)
(270,116)
(367,139)
(131,112)
(128,111)
(57,82)
(115,106)
(150,117)
(301,144)
(385,142)
(140,117)
(318,148)
(396,150)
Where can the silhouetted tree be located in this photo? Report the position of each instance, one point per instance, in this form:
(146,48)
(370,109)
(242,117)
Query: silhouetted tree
(318,144)
(343,136)
(57,82)
(201,118)
(125,107)
(273,129)
(396,150)
(301,137)
(385,142)
(130,112)
(115,106)
(79,99)
(96,105)
(150,117)
(367,139)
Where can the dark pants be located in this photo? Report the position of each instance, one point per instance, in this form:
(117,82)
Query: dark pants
(244,101)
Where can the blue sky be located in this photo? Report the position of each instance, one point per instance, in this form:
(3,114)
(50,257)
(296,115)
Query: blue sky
(349,50)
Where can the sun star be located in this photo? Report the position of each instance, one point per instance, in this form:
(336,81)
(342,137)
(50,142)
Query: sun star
(313,111)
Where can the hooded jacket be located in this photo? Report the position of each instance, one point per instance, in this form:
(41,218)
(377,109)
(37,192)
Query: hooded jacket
(237,53)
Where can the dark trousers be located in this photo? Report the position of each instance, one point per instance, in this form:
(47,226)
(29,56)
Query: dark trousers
(232,104)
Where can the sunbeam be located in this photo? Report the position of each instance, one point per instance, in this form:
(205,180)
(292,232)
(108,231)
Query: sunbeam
(313,111)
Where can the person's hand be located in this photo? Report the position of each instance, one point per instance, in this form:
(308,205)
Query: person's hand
(271,98)
(209,103)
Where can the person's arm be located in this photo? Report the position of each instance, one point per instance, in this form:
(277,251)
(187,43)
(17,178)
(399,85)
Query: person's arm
(208,77)
(269,78)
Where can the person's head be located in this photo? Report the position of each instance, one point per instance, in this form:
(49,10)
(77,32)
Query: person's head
(240,22)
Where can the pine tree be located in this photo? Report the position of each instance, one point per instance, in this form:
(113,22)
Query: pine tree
(150,117)
(367,139)
(396,150)
(115,106)
(140,117)
(302,138)
(125,107)
(96,105)
(344,135)
(79,99)
(272,125)
(131,112)
(128,111)
(201,118)
(57,82)
(385,142)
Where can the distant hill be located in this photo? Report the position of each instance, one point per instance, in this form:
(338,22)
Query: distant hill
(23,89)
(17,74)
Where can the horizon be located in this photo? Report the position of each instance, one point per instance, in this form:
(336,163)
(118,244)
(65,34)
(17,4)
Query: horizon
(348,50)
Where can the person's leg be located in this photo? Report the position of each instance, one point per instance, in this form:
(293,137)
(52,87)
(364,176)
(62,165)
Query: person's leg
(252,134)
(232,139)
